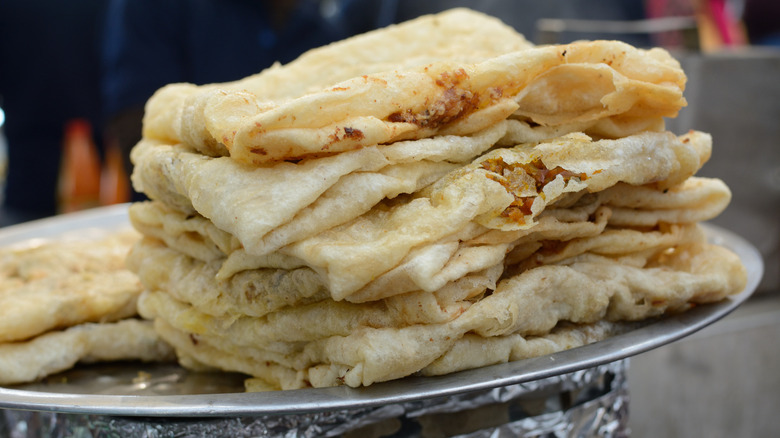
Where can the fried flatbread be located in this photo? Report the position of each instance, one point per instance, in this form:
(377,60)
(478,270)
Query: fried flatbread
(473,351)
(59,283)
(197,351)
(550,85)
(254,292)
(369,342)
(694,200)
(297,200)
(427,267)
(190,234)
(460,199)
(353,254)
(50,353)
(258,292)
(176,112)
(520,130)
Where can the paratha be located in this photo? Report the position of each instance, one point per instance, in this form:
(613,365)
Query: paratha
(58,283)
(466,200)
(56,351)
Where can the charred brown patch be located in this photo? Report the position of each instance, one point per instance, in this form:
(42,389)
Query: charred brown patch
(509,176)
(354,134)
(455,102)
(347,133)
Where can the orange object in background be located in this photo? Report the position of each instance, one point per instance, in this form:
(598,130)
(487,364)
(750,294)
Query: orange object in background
(114,183)
(79,181)
(84,182)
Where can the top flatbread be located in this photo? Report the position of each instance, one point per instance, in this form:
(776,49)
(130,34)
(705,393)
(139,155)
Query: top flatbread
(552,85)
(175,113)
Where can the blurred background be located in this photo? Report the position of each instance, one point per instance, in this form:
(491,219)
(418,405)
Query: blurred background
(74,77)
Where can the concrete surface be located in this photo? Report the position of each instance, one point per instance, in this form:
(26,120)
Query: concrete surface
(723,381)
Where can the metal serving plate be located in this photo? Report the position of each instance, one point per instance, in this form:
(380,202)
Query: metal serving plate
(166,390)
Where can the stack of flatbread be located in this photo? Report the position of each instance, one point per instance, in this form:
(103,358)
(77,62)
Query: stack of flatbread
(430,197)
(71,300)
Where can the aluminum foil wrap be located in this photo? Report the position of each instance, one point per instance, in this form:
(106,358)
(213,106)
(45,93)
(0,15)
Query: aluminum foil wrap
(587,403)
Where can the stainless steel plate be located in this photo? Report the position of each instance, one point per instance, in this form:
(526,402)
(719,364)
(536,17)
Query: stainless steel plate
(159,390)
